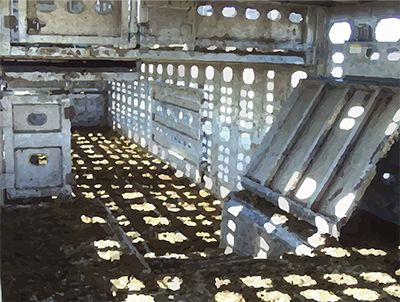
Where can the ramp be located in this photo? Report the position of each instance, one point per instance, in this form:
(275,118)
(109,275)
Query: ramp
(320,156)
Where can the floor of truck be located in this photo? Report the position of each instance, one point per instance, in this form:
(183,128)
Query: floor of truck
(66,251)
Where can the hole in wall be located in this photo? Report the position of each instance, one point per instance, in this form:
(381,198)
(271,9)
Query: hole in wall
(194,72)
(295,17)
(209,73)
(245,140)
(387,30)
(307,188)
(37,119)
(170,69)
(252,14)
(340,32)
(338,57)
(38,159)
(274,15)
(393,56)
(229,12)
(337,72)
(205,10)
(375,56)
(225,134)
(248,76)
(227,74)
(297,76)
(181,71)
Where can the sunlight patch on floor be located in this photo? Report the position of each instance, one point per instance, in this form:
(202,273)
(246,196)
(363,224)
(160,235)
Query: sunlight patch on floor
(274,296)
(132,195)
(378,277)
(101,244)
(156,220)
(109,255)
(300,280)
(257,282)
(170,283)
(220,282)
(393,290)
(145,207)
(341,279)
(172,237)
(336,252)
(128,283)
(227,296)
(320,295)
(139,298)
(362,294)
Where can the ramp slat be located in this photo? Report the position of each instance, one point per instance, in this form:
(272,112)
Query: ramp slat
(343,135)
(281,135)
(358,169)
(310,139)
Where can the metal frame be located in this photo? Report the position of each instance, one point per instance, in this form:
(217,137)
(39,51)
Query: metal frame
(122,40)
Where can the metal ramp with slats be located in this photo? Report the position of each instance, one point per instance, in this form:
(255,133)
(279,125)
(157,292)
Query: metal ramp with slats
(318,158)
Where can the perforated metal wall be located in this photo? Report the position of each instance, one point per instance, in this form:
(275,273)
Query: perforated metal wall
(206,120)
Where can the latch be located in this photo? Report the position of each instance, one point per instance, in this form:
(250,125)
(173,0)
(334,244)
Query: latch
(69,113)
(10,21)
(34,26)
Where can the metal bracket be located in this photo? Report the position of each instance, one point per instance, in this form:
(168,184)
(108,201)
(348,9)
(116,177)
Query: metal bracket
(69,113)
(10,21)
(70,178)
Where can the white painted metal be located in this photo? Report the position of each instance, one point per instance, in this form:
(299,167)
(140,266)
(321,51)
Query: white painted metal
(38,175)
(30,177)
(36,118)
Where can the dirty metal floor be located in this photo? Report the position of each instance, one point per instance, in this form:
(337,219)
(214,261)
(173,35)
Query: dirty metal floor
(66,251)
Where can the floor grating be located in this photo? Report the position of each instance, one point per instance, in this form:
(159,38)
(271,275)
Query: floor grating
(67,251)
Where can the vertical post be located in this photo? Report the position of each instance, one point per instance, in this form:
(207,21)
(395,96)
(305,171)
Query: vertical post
(321,40)
(2,200)
(5,30)
(133,27)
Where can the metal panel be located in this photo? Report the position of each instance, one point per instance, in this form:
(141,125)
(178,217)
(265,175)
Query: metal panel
(64,26)
(89,109)
(246,106)
(309,140)
(363,56)
(36,118)
(358,170)
(176,122)
(61,22)
(242,31)
(336,146)
(38,168)
(308,164)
